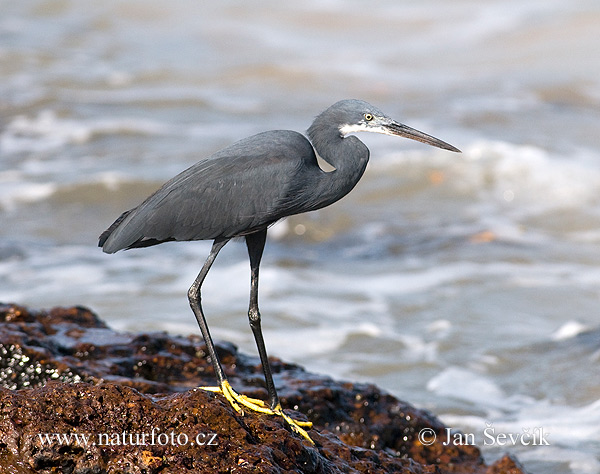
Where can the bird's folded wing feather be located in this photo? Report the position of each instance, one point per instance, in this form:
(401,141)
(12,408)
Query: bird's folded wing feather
(244,187)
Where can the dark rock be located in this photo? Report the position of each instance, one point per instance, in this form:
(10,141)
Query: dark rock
(81,398)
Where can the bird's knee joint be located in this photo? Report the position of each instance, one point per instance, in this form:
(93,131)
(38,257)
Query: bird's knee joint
(193,294)
(254,315)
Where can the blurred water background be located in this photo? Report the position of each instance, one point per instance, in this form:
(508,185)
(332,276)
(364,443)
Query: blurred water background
(465,284)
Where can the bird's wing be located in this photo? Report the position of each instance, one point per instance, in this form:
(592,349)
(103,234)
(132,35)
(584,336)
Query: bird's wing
(241,188)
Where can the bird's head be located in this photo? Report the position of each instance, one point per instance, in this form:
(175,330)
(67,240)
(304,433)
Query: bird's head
(360,116)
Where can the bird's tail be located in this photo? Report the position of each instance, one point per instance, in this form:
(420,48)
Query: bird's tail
(106,234)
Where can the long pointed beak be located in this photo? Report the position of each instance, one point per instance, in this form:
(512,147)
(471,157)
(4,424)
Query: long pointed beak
(401,130)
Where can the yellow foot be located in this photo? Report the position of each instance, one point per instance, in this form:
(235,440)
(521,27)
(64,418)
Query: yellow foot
(236,399)
(297,426)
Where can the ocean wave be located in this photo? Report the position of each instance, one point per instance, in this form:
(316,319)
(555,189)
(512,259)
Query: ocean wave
(47,131)
(521,178)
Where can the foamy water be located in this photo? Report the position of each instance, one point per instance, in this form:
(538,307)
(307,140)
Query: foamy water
(465,284)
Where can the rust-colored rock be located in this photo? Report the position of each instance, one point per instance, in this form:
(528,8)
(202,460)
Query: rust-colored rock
(126,403)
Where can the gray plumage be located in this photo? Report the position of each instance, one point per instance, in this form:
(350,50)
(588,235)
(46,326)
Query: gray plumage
(253,183)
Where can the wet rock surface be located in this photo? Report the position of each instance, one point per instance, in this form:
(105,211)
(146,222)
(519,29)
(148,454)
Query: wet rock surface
(78,397)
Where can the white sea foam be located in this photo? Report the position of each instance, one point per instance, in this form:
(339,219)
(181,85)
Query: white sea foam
(523,177)
(47,131)
(29,184)
(565,433)
(464,384)
(17,190)
(568,330)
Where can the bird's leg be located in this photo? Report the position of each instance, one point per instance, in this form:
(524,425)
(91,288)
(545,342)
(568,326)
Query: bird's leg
(256,245)
(195,302)
(195,298)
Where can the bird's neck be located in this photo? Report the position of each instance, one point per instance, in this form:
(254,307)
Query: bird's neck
(349,156)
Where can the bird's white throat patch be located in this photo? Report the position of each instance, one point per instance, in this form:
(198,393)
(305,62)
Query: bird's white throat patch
(349,128)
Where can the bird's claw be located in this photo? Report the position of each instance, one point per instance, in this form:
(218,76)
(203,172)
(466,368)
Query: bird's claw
(235,399)
(297,426)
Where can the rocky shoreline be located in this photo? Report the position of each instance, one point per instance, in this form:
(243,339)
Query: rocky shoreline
(79,397)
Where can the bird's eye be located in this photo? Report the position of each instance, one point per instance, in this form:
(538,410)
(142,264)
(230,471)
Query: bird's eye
(368,117)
